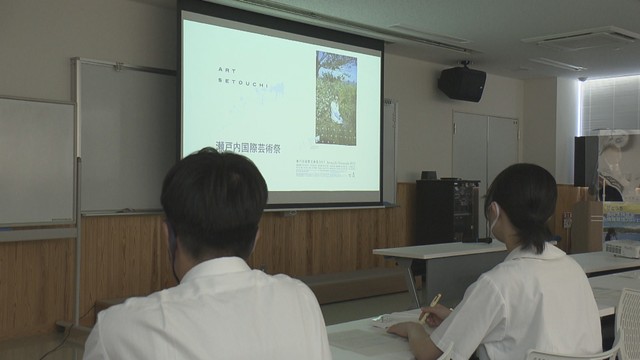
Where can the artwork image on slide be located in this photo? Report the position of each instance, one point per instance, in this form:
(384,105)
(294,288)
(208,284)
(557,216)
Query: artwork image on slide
(336,95)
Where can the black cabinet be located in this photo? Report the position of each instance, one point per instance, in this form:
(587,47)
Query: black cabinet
(446,211)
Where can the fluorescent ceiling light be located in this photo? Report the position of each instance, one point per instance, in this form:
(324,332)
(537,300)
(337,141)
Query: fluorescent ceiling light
(440,37)
(558,64)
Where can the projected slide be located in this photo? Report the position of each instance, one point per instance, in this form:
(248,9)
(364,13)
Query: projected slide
(306,111)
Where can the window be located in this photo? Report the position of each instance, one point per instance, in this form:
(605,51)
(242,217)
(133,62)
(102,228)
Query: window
(611,103)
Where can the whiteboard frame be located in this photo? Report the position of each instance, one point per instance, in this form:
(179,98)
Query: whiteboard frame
(77,63)
(389,145)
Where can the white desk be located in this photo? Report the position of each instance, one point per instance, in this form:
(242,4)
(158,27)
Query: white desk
(473,260)
(435,251)
(607,289)
(359,340)
(597,262)
(462,275)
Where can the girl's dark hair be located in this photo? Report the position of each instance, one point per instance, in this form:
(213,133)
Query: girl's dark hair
(527,193)
(214,202)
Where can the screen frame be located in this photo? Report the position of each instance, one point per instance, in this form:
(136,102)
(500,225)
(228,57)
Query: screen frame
(207,8)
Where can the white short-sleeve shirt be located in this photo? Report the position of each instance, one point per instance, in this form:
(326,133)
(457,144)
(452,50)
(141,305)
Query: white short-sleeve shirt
(221,310)
(529,301)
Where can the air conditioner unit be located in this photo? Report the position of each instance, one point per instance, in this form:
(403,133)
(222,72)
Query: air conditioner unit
(586,39)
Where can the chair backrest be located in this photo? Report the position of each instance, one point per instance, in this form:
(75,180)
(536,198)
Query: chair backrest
(628,320)
(446,355)
(606,355)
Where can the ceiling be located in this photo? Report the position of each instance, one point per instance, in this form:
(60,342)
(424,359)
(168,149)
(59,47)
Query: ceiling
(497,36)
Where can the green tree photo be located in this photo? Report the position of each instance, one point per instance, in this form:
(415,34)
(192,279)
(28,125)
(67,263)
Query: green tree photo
(336,87)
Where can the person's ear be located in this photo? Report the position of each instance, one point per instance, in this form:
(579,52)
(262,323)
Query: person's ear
(494,211)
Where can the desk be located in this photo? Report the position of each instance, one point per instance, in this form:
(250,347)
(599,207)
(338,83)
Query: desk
(607,289)
(461,262)
(603,262)
(359,340)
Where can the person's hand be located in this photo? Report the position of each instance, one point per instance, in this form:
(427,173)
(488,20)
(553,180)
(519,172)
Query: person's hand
(404,328)
(437,314)
(421,345)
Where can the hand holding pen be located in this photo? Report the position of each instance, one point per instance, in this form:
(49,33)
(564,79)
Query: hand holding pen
(425,314)
(432,315)
(435,313)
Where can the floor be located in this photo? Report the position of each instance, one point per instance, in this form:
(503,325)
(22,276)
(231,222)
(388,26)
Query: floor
(45,347)
(58,346)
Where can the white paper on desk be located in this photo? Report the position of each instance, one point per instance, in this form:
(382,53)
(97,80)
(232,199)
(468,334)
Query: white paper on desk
(386,320)
(375,343)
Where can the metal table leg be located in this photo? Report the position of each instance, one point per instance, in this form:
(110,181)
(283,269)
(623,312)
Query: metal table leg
(405,264)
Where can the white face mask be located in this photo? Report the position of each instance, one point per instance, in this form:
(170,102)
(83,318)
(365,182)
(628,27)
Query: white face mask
(495,220)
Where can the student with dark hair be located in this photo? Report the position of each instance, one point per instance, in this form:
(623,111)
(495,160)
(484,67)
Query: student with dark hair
(537,298)
(221,309)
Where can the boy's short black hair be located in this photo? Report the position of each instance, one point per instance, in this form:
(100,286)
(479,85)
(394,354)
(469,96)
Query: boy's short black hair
(214,202)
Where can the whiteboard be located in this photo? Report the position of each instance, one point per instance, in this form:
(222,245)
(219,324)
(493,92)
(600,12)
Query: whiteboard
(127,119)
(37,161)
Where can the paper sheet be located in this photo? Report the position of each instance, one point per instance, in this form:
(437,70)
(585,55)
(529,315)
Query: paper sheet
(375,343)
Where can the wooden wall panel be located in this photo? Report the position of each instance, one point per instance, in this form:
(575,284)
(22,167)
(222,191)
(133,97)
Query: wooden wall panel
(36,286)
(568,195)
(331,241)
(121,257)
(126,256)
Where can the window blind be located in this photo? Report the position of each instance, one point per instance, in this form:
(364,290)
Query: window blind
(610,104)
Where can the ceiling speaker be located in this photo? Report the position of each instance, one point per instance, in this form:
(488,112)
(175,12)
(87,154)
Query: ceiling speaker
(462,83)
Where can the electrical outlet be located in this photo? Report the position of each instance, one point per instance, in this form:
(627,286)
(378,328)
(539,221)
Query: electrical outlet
(566,219)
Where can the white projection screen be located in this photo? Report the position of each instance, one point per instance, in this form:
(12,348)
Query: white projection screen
(303,103)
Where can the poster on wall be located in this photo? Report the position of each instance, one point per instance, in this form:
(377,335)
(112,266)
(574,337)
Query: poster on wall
(621,221)
(619,183)
(618,165)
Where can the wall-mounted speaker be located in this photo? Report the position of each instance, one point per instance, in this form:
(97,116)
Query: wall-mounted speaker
(462,83)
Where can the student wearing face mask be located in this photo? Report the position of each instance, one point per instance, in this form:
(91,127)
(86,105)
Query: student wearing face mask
(537,298)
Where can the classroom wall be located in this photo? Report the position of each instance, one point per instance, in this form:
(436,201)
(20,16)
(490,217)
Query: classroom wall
(39,38)
(124,256)
(539,139)
(567,111)
(43,36)
(551,110)
(425,114)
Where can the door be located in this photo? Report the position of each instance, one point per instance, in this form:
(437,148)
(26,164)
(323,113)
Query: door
(482,147)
